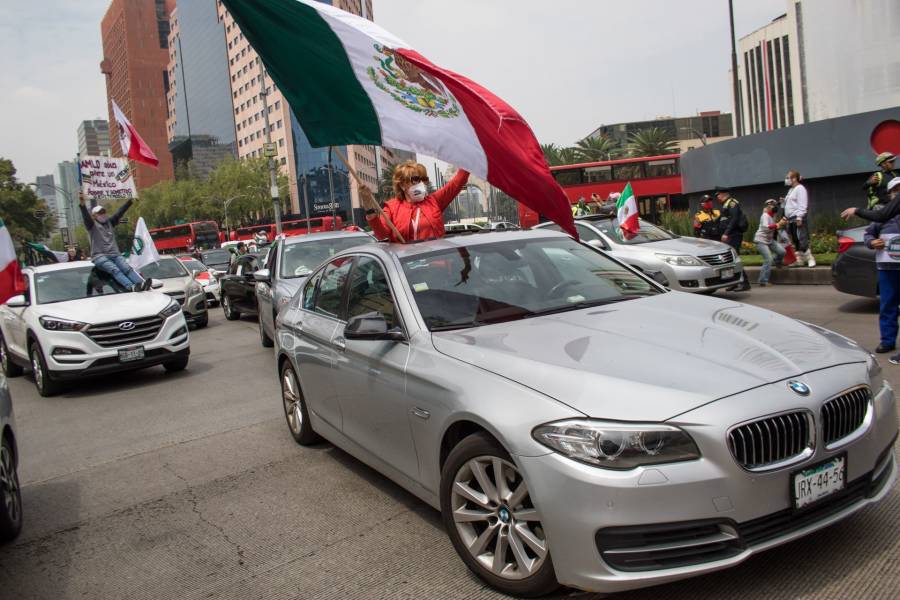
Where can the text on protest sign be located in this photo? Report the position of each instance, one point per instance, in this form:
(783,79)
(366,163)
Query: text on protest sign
(106,177)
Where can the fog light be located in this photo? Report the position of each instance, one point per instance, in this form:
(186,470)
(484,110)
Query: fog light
(689,283)
(63,351)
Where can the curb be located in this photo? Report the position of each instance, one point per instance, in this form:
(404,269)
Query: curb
(793,275)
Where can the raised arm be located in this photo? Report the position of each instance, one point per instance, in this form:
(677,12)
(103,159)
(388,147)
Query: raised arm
(379,227)
(451,189)
(119,213)
(85,214)
(878,215)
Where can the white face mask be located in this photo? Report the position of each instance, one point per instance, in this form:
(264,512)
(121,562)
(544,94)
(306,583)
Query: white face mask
(417,192)
(101,218)
(788,181)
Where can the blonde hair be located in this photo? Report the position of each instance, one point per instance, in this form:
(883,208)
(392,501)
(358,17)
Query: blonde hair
(404,172)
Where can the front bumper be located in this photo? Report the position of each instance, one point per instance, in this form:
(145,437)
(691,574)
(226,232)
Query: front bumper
(194,308)
(211,291)
(701,279)
(611,531)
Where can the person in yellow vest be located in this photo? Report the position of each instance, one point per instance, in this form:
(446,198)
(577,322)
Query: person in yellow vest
(706,221)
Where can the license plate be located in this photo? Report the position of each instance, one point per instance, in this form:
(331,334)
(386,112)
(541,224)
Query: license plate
(819,481)
(130,354)
(726,273)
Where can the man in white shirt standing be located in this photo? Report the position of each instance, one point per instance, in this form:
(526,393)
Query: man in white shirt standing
(796,209)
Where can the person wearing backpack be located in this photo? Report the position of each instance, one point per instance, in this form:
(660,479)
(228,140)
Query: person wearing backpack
(734,223)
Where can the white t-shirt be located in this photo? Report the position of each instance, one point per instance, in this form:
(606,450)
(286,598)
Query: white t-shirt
(796,203)
(764,234)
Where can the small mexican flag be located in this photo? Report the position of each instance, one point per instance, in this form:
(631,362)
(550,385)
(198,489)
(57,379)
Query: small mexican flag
(627,212)
(11,282)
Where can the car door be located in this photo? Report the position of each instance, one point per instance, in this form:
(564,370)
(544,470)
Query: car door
(370,374)
(246,284)
(14,328)
(228,283)
(320,318)
(264,293)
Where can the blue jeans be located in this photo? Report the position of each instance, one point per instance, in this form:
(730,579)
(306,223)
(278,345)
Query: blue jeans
(767,250)
(889,298)
(120,270)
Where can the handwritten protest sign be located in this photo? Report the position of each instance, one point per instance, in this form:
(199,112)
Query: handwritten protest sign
(106,177)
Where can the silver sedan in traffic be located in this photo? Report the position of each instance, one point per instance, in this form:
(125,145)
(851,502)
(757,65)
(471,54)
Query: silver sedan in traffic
(575,422)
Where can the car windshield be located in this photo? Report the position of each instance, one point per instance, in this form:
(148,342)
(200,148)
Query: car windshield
(166,268)
(516,279)
(301,258)
(73,284)
(194,265)
(216,257)
(648,232)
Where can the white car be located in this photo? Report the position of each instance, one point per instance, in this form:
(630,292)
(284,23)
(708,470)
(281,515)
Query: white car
(462,228)
(74,322)
(205,276)
(180,284)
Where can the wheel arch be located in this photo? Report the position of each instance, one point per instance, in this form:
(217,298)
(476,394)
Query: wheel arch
(457,432)
(11,437)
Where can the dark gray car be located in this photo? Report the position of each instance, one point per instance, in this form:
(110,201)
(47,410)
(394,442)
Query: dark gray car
(288,264)
(10,494)
(854,270)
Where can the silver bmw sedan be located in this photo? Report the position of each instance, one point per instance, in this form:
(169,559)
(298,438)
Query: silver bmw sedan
(574,422)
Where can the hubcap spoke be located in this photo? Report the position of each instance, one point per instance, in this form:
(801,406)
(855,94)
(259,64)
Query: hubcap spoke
(467,515)
(487,486)
(499,564)
(525,564)
(518,496)
(526,514)
(482,541)
(538,546)
(471,495)
(503,491)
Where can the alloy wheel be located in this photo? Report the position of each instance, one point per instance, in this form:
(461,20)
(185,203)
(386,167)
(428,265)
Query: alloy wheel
(495,518)
(9,484)
(36,367)
(226,305)
(4,359)
(292,401)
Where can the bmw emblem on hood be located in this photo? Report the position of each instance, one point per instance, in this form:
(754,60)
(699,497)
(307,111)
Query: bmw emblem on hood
(798,387)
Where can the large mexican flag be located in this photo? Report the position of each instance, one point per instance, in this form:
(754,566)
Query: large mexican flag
(351,82)
(627,213)
(10,275)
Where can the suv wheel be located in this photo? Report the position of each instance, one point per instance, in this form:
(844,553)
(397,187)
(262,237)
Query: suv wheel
(45,386)
(10,368)
(176,364)
(264,338)
(295,408)
(10,494)
(230,313)
(491,520)
(202,322)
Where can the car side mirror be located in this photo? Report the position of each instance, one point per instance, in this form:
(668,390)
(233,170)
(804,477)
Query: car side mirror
(371,326)
(156,284)
(598,244)
(262,276)
(17,301)
(659,277)
(194,273)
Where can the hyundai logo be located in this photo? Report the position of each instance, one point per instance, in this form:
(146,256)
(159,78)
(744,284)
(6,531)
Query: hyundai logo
(798,387)
(126,325)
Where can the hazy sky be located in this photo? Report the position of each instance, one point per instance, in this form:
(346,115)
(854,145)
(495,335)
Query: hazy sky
(566,65)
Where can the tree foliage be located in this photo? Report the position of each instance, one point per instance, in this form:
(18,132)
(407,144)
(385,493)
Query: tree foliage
(596,149)
(652,141)
(25,215)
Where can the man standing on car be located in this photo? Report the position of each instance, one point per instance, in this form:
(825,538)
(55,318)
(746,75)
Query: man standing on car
(105,251)
(733,224)
(796,209)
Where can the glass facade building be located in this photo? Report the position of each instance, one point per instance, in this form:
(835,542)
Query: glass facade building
(200,124)
(312,177)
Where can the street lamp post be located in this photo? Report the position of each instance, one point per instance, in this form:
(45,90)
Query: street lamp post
(305,202)
(66,194)
(273,178)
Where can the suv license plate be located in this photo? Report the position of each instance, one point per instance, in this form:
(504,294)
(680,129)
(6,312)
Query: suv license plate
(726,273)
(131,354)
(819,481)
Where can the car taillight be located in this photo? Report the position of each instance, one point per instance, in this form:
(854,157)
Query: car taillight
(844,243)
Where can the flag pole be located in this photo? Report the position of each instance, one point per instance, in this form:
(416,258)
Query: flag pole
(362,185)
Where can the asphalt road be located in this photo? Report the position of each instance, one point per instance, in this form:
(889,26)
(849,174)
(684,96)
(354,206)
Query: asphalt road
(155,485)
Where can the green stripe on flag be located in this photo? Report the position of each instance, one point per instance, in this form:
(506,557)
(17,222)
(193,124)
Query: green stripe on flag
(307,61)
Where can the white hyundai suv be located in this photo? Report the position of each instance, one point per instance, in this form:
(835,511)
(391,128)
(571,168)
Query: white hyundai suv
(74,321)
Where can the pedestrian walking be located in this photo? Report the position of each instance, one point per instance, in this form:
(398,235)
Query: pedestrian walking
(706,221)
(876,184)
(796,210)
(766,241)
(884,238)
(105,251)
(733,223)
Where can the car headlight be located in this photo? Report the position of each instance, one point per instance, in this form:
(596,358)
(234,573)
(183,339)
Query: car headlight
(194,288)
(876,377)
(53,324)
(680,260)
(617,445)
(172,309)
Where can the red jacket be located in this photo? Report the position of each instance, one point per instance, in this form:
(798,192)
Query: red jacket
(418,220)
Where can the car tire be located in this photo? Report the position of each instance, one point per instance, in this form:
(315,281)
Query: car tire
(7,364)
(509,523)
(264,338)
(203,321)
(176,364)
(230,313)
(294,403)
(10,494)
(46,387)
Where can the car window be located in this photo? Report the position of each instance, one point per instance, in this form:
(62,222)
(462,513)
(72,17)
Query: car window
(233,268)
(309,290)
(648,232)
(270,259)
(72,284)
(586,233)
(331,287)
(369,291)
(166,268)
(302,257)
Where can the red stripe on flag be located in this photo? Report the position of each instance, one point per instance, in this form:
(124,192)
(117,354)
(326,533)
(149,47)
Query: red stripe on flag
(11,282)
(139,151)
(516,163)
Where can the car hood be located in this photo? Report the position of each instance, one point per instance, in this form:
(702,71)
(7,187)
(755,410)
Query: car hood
(685,245)
(174,284)
(652,358)
(105,309)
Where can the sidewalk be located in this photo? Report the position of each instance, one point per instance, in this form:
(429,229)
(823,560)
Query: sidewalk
(793,275)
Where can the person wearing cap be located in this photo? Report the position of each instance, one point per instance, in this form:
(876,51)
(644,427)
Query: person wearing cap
(884,238)
(733,223)
(876,185)
(766,242)
(796,208)
(105,251)
(706,221)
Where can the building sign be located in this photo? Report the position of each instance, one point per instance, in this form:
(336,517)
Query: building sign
(104,177)
(270,150)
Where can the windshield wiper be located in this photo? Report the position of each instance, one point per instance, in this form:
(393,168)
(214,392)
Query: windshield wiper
(453,327)
(580,305)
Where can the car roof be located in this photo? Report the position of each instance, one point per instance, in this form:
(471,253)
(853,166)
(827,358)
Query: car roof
(323,235)
(63,266)
(452,242)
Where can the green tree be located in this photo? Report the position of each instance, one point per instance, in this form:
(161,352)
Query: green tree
(385,189)
(551,154)
(596,149)
(652,141)
(24,214)
(568,156)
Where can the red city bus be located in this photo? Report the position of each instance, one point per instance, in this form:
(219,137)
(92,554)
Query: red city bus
(655,180)
(289,228)
(178,238)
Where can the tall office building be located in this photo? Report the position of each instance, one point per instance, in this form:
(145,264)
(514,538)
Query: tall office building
(45,188)
(135,36)
(820,60)
(295,156)
(93,137)
(66,178)
(200,124)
